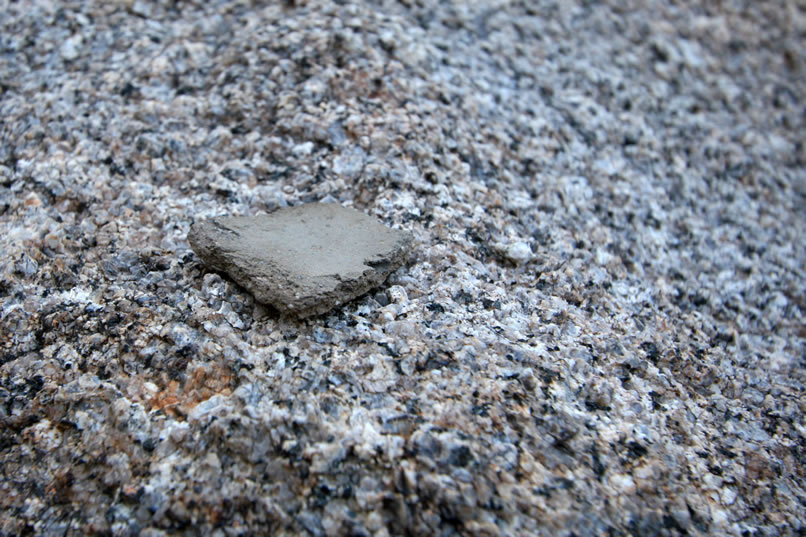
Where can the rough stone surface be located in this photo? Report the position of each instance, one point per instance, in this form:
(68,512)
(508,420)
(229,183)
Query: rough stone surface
(601,331)
(302,260)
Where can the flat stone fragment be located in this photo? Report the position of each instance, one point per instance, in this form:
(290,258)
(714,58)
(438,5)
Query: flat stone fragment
(302,260)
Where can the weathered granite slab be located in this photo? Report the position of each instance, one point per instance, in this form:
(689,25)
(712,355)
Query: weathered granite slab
(602,332)
(302,260)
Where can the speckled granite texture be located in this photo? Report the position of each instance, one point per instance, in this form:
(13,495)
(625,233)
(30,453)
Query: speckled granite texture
(601,333)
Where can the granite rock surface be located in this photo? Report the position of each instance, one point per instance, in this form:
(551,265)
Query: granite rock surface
(601,332)
(302,260)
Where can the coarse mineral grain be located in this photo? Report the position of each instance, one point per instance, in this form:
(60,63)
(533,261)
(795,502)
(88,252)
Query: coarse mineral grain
(302,260)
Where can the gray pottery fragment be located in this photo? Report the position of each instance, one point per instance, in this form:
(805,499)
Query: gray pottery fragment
(302,260)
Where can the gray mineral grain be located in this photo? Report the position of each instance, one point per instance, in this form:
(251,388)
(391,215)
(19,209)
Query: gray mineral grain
(302,260)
